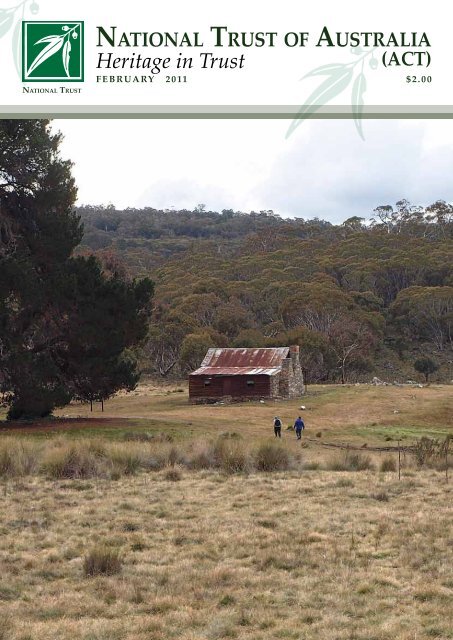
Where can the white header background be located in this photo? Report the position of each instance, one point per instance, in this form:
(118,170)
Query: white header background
(323,169)
(271,76)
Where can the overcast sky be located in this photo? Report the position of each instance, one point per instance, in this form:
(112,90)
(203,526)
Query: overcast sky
(324,169)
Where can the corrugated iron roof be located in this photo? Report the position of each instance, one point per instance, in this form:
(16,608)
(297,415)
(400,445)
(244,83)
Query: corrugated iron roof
(236,371)
(243,361)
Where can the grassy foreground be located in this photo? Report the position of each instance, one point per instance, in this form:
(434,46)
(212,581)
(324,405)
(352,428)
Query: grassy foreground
(144,524)
(206,555)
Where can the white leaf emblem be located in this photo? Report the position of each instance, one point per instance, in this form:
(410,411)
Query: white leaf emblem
(54,45)
(66,56)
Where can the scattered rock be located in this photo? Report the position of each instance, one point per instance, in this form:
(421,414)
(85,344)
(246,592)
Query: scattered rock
(302,406)
(377,381)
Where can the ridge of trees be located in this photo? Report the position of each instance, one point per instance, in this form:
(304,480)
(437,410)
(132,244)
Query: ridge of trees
(353,295)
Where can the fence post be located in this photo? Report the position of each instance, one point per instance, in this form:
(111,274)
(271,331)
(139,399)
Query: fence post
(399,461)
(447,445)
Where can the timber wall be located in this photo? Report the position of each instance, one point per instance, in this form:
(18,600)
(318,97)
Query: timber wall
(231,387)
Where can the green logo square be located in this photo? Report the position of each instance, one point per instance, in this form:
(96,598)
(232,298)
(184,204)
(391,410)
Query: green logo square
(52,51)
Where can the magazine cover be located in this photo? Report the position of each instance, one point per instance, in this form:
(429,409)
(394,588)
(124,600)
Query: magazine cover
(226,321)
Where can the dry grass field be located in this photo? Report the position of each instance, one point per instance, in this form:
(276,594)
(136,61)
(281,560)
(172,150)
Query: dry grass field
(346,413)
(181,535)
(356,414)
(315,555)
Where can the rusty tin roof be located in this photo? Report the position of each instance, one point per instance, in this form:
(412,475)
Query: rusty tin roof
(243,362)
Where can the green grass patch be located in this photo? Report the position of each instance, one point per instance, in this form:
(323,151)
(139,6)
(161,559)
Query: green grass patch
(108,428)
(383,433)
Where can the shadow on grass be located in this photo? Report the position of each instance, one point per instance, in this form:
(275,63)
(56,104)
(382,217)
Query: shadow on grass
(109,428)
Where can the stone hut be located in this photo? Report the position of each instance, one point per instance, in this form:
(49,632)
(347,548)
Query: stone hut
(246,374)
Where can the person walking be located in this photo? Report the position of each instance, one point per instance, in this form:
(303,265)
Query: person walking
(277,427)
(299,426)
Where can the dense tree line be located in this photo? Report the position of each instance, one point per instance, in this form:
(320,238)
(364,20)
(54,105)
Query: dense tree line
(358,296)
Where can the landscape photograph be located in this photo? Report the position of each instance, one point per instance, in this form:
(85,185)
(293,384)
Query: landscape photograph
(226,379)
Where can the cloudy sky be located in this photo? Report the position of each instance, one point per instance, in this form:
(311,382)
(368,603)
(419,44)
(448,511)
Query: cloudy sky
(324,169)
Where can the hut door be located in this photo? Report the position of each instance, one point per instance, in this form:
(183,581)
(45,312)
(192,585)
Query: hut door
(227,386)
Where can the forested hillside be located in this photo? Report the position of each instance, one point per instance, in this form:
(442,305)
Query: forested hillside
(361,299)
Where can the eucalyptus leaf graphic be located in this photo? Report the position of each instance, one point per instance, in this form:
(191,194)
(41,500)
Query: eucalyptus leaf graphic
(6,21)
(17,46)
(327,90)
(54,45)
(47,39)
(358,89)
(327,70)
(66,56)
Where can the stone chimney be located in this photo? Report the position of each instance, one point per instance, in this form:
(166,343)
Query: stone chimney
(285,377)
(296,386)
(294,353)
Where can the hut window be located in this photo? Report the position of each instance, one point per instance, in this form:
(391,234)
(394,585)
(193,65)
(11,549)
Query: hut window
(250,383)
(207,383)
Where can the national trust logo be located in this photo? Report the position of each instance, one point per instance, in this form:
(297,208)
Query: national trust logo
(52,51)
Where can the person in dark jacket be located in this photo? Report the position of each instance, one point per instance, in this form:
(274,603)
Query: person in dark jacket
(299,426)
(277,427)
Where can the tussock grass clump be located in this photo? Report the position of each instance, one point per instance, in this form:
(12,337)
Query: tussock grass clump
(6,626)
(173,474)
(230,456)
(359,462)
(173,456)
(272,457)
(429,452)
(388,464)
(349,462)
(126,460)
(201,457)
(102,561)
(17,458)
(161,456)
(381,496)
(311,466)
(230,434)
(77,460)
(344,483)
